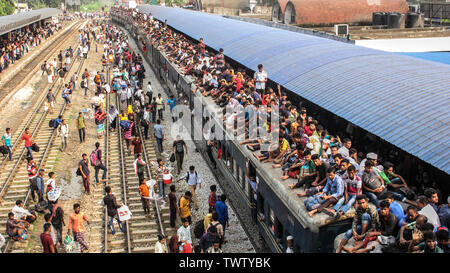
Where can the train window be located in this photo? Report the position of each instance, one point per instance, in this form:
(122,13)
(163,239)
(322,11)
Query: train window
(272,220)
(260,206)
(279,233)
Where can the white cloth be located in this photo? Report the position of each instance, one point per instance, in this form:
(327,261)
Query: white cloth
(160,248)
(20,212)
(64,130)
(260,76)
(184,234)
(431,215)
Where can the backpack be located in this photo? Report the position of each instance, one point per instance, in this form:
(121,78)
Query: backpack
(94,158)
(41,206)
(82,84)
(83,76)
(199,229)
(43,67)
(212,226)
(4,150)
(125,125)
(189,173)
(33,183)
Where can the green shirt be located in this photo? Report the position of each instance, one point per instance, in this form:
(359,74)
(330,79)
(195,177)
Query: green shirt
(81,124)
(385,178)
(423,246)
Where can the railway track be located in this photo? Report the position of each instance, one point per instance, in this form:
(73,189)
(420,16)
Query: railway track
(141,230)
(25,74)
(14,178)
(5,165)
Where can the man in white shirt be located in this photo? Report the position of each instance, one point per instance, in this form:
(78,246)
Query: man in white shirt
(260,79)
(193,179)
(290,244)
(184,233)
(149,92)
(344,150)
(64,134)
(22,214)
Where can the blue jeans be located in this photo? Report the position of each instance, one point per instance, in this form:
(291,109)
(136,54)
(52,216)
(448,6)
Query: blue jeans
(111,224)
(372,198)
(344,208)
(154,117)
(9,152)
(398,196)
(159,142)
(29,152)
(162,188)
(365,219)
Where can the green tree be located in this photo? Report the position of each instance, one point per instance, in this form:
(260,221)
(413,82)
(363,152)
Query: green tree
(6,7)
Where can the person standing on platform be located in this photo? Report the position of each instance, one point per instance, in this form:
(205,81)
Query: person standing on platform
(81,125)
(158,131)
(160,106)
(178,148)
(84,169)
(6,139)
(222,210)
(193,179)
(76,225)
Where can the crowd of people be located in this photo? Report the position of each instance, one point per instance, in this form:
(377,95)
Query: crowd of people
(14,47)
(333,175)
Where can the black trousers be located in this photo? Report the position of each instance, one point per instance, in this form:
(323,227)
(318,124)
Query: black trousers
(173,217)
(210,155)
(146,126)
(307,181)
(82,134)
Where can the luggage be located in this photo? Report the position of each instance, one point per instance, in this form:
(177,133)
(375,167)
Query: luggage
(41,206)
(94,159)
(78,172)
(35,147)
(172,158)
(4,150)
(199,229)
(51,123)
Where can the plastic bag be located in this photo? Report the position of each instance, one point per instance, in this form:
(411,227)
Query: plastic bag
(69,243)
(124,213)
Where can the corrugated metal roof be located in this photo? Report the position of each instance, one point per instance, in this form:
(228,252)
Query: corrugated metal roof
(403,100)
(12,22)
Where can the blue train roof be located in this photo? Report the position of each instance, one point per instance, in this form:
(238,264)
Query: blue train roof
(401,99)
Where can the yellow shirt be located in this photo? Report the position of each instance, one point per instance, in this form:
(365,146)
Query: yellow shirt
(124,117)
(284,145)
(184,207)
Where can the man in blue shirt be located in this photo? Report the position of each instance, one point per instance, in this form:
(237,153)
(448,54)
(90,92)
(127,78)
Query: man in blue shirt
(395,208)
(331,193)
(6,139)
(40,184)
(222,210)
(58,120)
(159,134)
(172,103)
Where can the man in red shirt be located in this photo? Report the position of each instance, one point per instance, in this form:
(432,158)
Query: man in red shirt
(46,239)
(28,137)
(201,47)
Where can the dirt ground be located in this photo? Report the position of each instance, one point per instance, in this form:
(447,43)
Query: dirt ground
(67,162)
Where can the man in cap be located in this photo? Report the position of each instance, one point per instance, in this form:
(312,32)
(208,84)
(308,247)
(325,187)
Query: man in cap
(373,157)
(290,244)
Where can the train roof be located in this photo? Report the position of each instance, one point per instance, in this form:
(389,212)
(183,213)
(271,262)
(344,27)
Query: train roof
(401,99)
(12,22)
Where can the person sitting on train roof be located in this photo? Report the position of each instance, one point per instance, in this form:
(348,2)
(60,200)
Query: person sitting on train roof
(373,185)
(397,184)
(427,210)
(331,193)
(317,172)
(366,220)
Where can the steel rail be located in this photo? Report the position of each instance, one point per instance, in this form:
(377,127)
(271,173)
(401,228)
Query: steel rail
(47,148)
(40,103)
